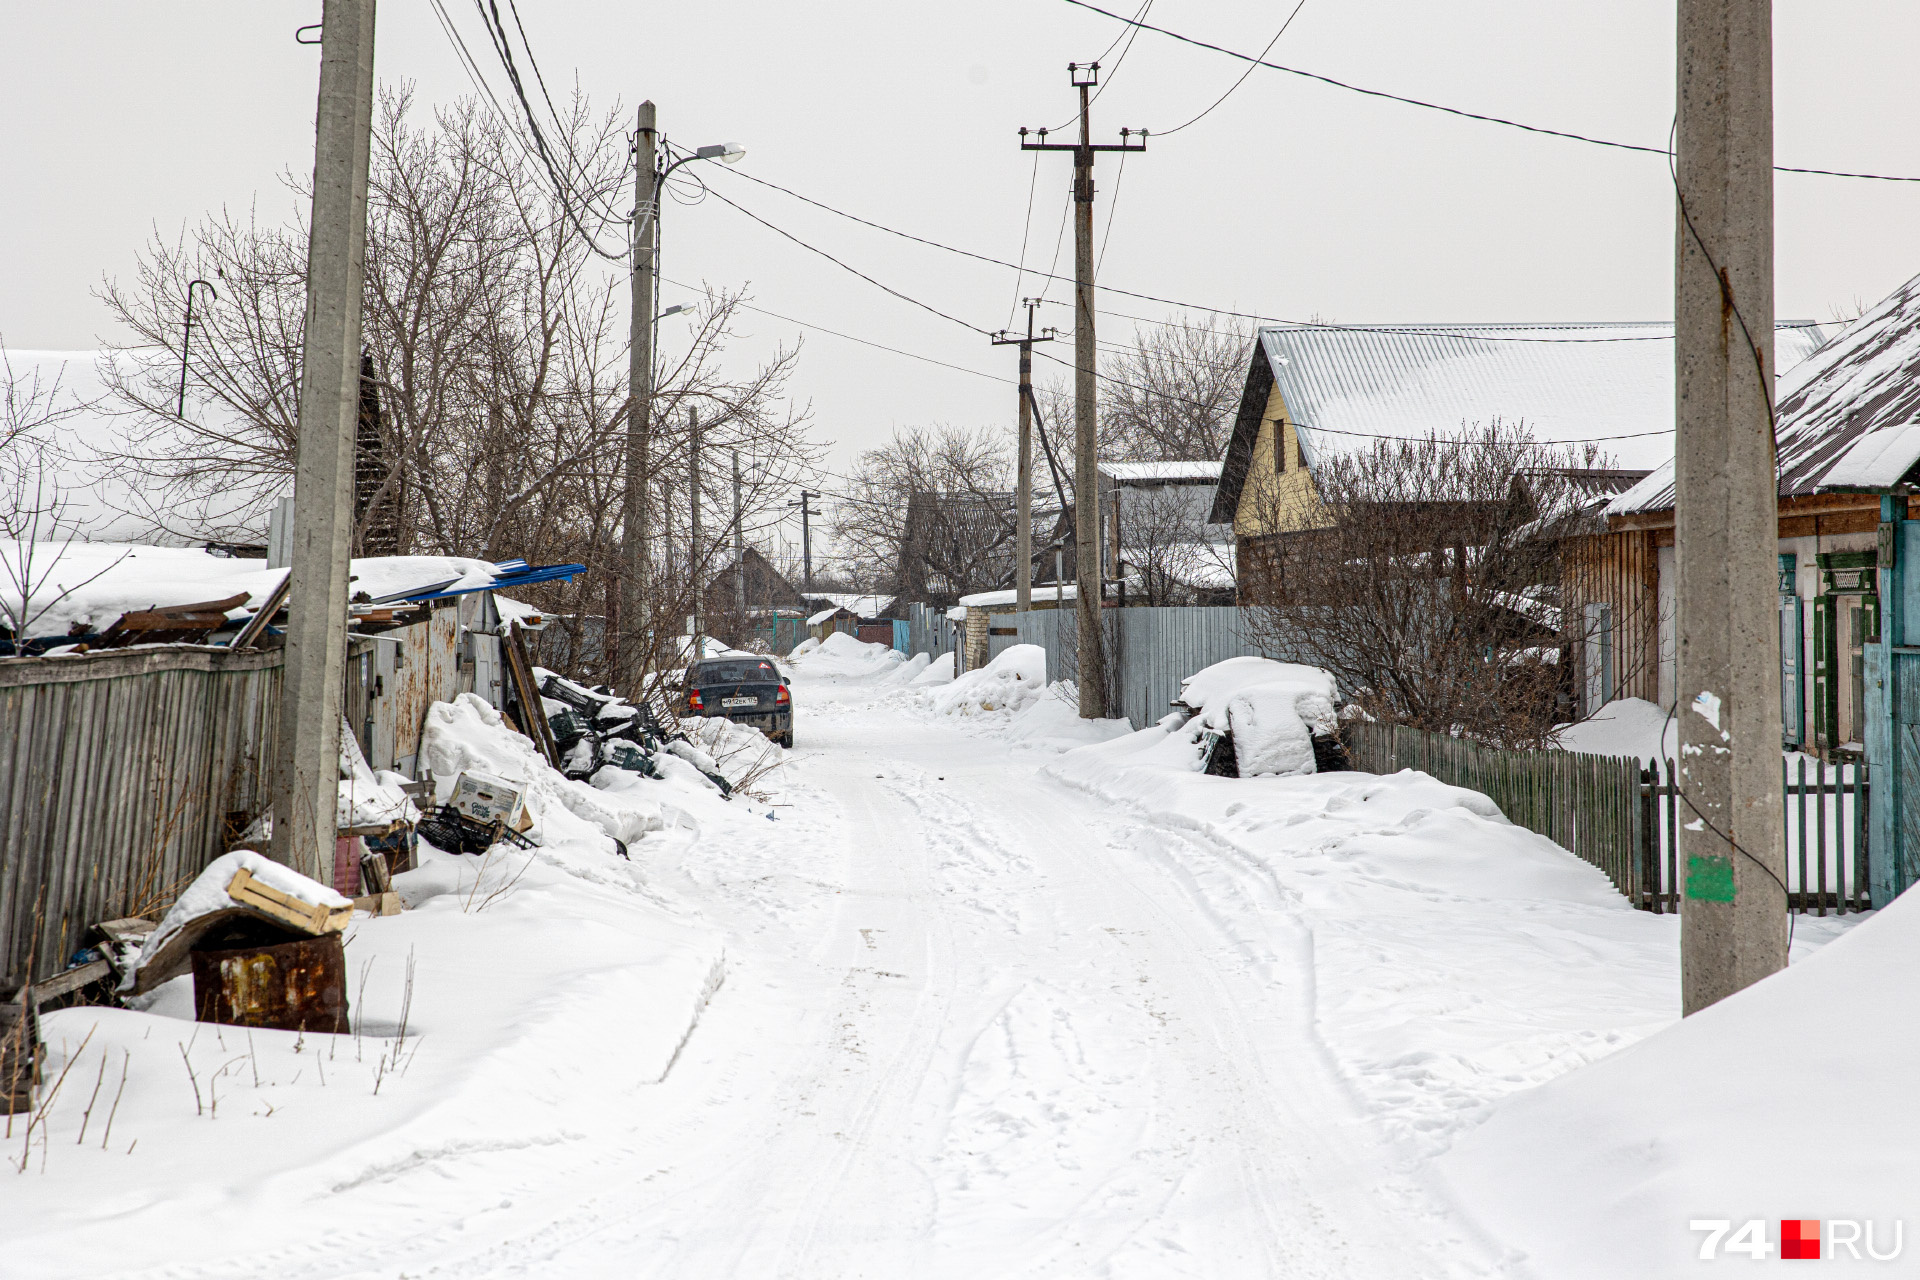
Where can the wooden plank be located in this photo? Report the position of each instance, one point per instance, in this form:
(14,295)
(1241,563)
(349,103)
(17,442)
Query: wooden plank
(311,917)
(70,980)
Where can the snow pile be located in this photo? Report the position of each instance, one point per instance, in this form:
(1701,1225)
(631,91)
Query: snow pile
(909,671)
(1624,727)
(1052,721)
(569,818)
(369,798)
(1273,710)
(804,648)
(1599,1173)
(1007,685)
(938,671)
(1456,958)
(843,656)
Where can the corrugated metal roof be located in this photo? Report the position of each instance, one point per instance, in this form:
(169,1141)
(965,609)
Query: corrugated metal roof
(1608,384)
(1867,379)
(1200,470)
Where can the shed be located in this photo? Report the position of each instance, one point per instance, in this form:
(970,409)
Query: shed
(831,619)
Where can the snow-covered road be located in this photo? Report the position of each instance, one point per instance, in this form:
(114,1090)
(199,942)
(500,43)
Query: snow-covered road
(976,1025)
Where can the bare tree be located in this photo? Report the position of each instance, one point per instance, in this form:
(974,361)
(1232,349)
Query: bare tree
(1430,579)
(930,513)
(496,345)
(34,526)
(1173,393)
(1170,552)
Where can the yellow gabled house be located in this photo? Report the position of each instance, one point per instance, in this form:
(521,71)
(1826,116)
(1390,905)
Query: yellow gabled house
(1314,392)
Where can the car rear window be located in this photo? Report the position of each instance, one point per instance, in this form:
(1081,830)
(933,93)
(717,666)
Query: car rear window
(743,672)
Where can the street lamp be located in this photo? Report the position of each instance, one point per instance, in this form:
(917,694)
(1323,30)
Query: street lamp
(186,340)
(650,175)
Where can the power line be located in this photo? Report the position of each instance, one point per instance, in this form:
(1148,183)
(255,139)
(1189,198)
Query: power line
(865,342)
(1244,74)
(907,298)
(1049,275)
(1435,106)
(563,188)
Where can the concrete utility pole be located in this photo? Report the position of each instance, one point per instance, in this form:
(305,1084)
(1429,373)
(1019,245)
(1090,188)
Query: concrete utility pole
(633,511)
(739,545)
(1092,673)
(307,753)
(1023,484)
(1733,913)
(806,536)
(693,513)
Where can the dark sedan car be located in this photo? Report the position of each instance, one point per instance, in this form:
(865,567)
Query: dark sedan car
(749,690)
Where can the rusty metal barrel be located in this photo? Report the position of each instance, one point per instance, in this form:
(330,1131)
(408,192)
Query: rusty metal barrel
(293,986)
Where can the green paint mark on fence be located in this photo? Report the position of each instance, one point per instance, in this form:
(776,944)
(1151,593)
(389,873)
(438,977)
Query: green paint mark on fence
(1710,879)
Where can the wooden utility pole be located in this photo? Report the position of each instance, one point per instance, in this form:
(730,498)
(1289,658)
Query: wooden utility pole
(1023,483)
(1092,673)
(694,564)
(634,625)
(739,545)
(1734,909)
(806,536)
(307,753)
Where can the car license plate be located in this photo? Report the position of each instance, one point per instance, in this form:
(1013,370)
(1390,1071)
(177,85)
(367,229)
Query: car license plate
(739,702)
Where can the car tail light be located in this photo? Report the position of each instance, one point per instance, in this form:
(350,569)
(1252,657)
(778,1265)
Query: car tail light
(782,695)
(693,701)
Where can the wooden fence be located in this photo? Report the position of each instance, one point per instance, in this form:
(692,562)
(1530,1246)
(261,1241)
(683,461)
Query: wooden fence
(121,774)
(1623,816)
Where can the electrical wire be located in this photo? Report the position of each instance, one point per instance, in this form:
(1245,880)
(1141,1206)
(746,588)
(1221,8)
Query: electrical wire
(1113,203)
(1452,111)
(560,126)
(1026,231)
(1243,75)
(503,48)
(907,298)
(865,342)
(1050,275)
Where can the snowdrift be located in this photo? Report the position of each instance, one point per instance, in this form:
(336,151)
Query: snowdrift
(1598,1174)
(1457,958)
(1006,685)
(842,656)
(521,997)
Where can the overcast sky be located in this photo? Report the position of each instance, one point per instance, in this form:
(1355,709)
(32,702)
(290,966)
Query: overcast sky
(1292,199)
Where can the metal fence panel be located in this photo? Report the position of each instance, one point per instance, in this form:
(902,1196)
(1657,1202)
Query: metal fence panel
(120,776)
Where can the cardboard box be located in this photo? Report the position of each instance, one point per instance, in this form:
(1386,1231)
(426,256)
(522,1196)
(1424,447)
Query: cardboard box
(486,799)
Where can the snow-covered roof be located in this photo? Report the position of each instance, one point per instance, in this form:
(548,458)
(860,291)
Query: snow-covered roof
(994,599)
(1877,460)
(1608,384)
(815,619)
(1864,383)
(864,606)
(1162,471)
(92,583)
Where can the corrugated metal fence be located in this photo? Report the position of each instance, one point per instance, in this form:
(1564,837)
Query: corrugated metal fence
(1150,651)
(119,776)
(929,631)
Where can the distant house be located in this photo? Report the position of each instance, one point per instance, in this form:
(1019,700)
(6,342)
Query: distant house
(1848,445)
(1161,538)
(1316,393)
(766,587)
(831,619)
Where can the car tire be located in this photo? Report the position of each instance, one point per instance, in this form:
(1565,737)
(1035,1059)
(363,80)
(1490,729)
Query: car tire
(786,739)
